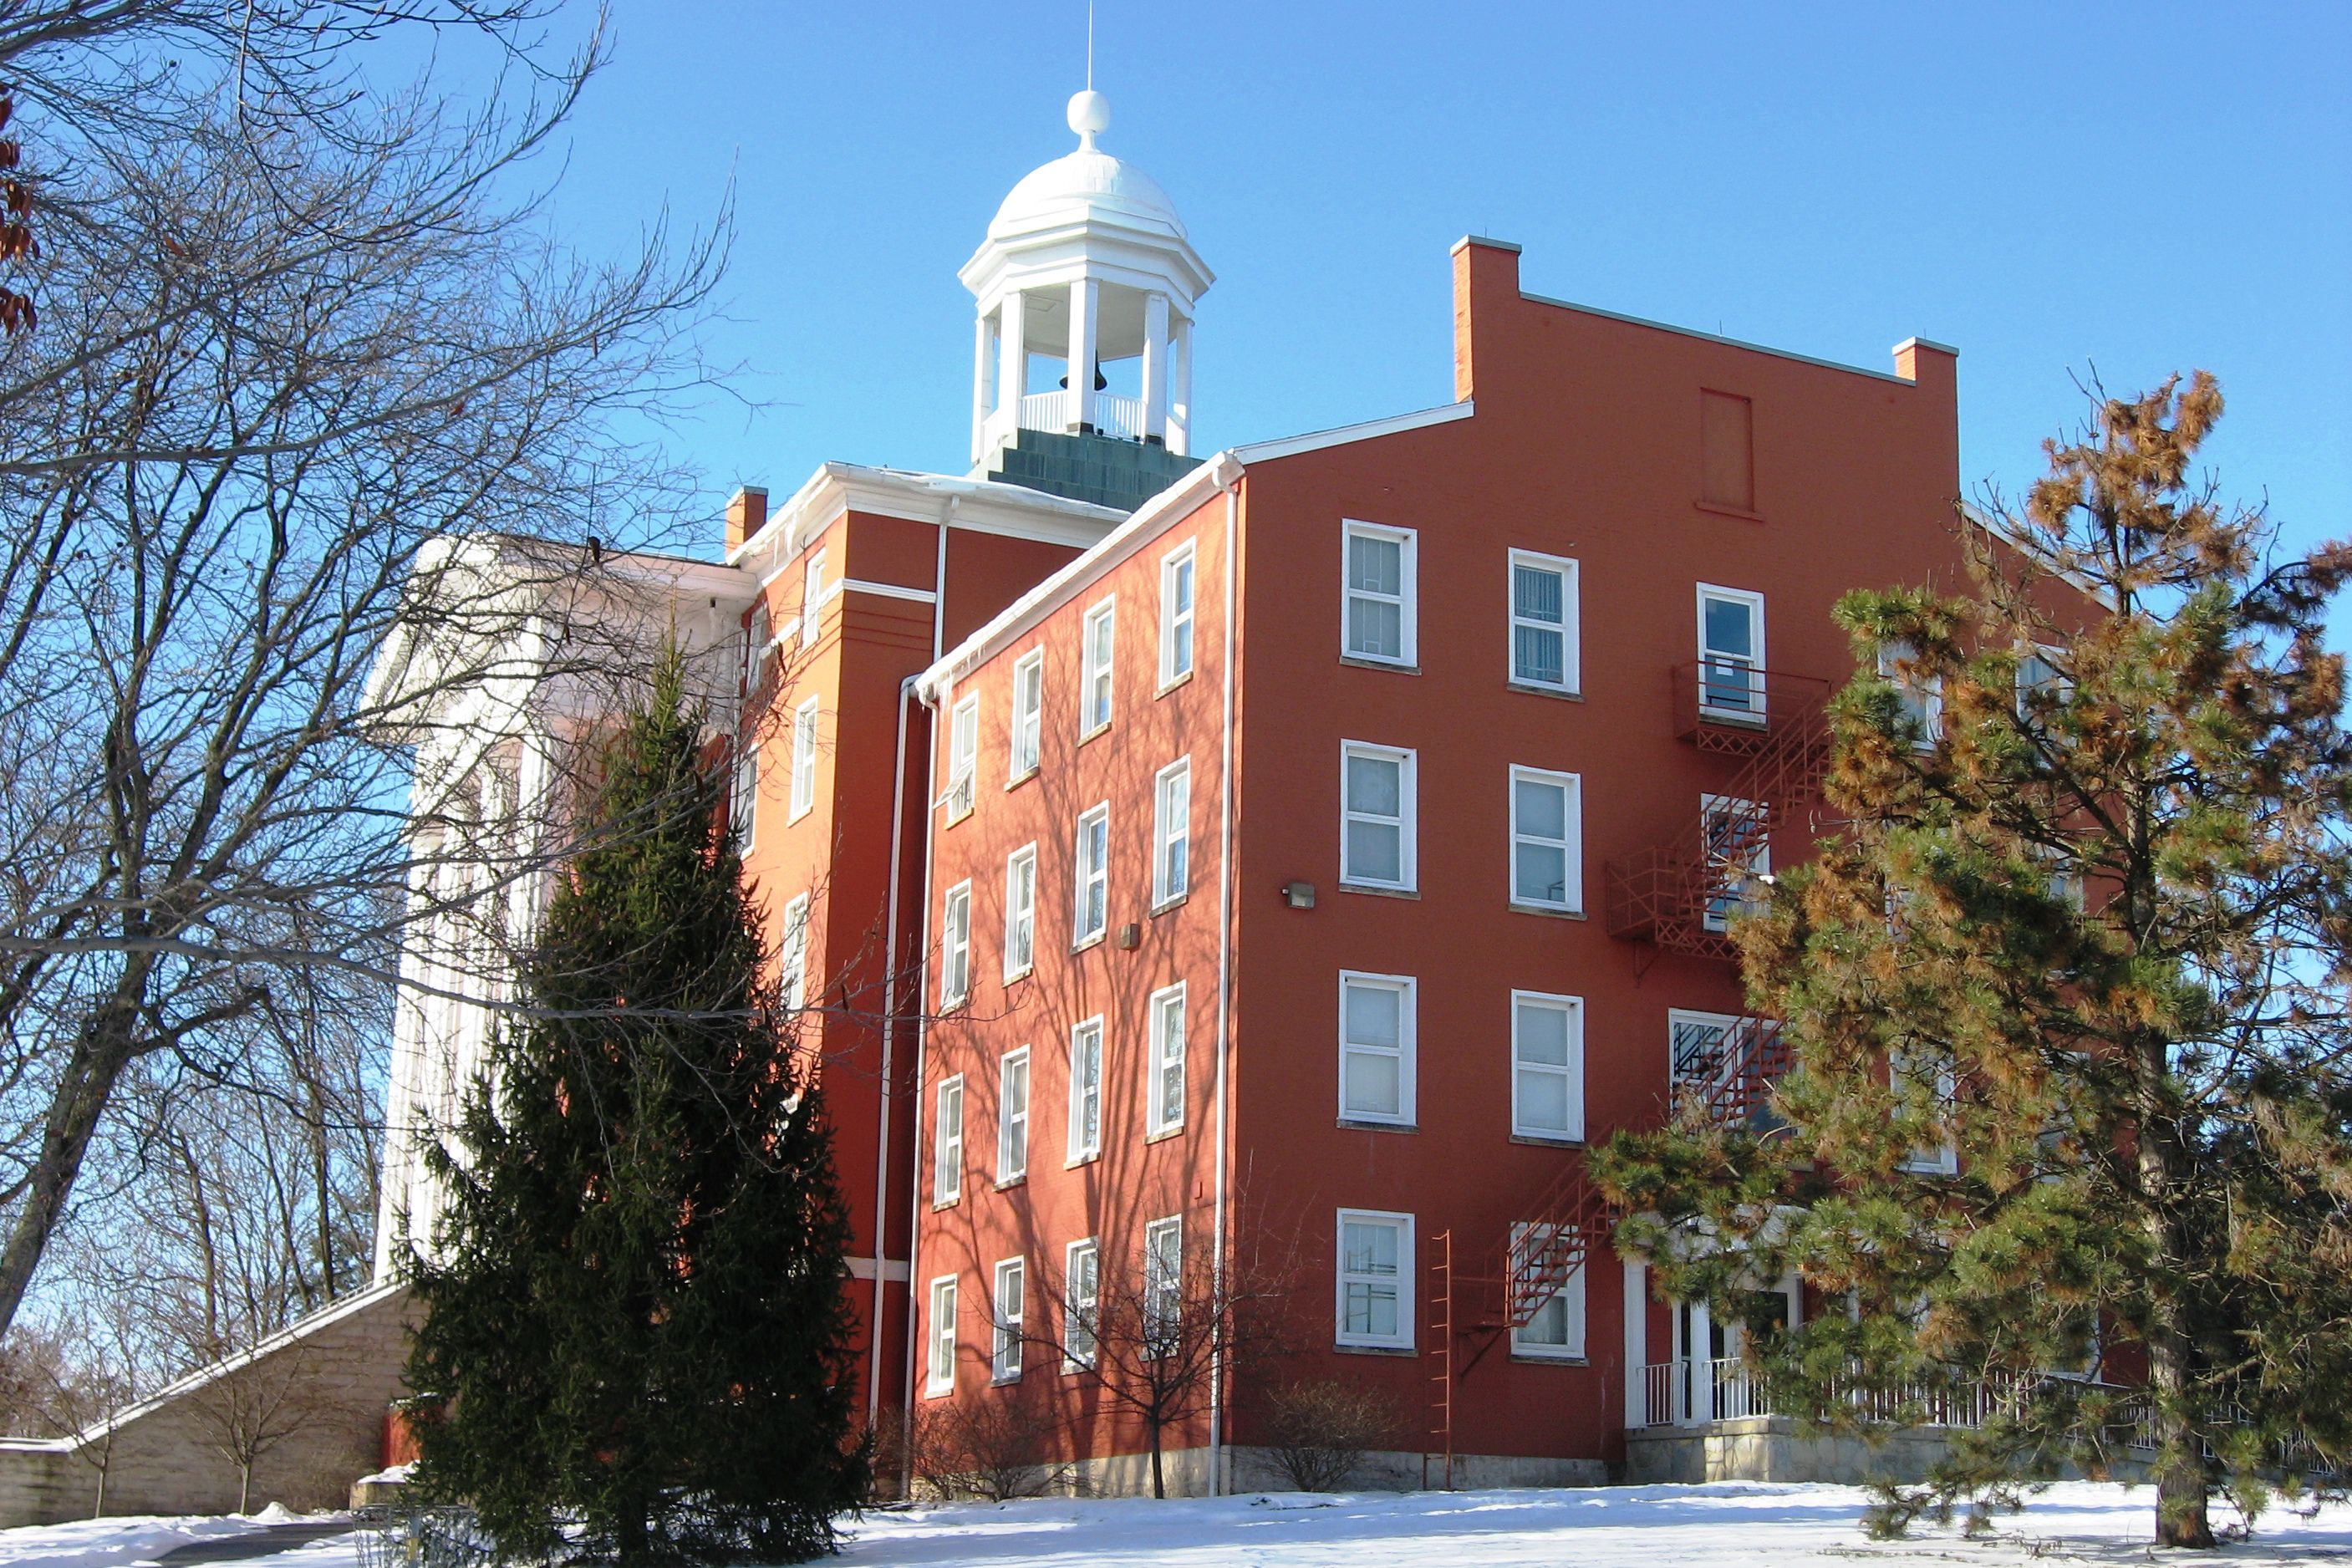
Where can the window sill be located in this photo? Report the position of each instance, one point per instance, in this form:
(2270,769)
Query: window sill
(1354,1124)
(1540,1357)
(790,818)
(940,1203)
(954,815)
(1547,912)
(1164,905)
(1018,975)
(1023,777)
(1375,1350)
(1095,941)
(1734,720)
(1547,1140)
(1725,509)
(1388,665)
(1101,729)
(1009,1183)
(949,1005)
(1556,693)
(1367,889)
(1171,684)
(1164,1135)
(1004,1380)
(1082,1160)
(946,1392)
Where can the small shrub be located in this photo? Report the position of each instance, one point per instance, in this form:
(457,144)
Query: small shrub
(1317,1431)
(994,1446)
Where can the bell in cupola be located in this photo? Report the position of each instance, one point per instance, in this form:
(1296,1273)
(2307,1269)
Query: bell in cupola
(1102,381)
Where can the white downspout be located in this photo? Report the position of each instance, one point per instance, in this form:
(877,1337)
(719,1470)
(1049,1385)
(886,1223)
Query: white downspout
(1225,989)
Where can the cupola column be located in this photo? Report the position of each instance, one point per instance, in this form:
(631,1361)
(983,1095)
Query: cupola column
(1011,370)
(983,381)
(1180,390)
(1086,309)
(1155,367)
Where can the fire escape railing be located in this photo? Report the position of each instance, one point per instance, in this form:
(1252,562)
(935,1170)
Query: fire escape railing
(1730,1073)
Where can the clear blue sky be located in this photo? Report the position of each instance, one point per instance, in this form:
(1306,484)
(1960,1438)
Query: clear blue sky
(2137,188)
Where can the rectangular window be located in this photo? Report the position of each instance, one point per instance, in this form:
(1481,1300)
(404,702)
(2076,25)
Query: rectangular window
(1726,450)
(1379,602)
(1081,1301)
(1556,1330)
(1376,825)
(1699,1051)
(1013,1117)
(1176,615)
(1005,1352)
(939,1371)
(1028,707)
(1926,1084)
(1166,1110)
(955,948)
(813,599)
(1546,1066)
(743,803)
(1543,621)
(1086,1090)
(1095,688)
(1093,900)
(1020,913)
(1163,1286)
(1171,832)
(803,758)
(1376,1047)
(1738,839)
(1546,839)
(2041,684)
(1730,654)
(792,962)
(1375,1280)
(756,640)
(1922,695)
(963,755)
(947,1142)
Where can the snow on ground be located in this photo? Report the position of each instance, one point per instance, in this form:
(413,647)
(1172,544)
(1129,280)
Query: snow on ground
(112,1542)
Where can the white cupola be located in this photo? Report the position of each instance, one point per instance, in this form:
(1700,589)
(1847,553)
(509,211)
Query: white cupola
(1086,286)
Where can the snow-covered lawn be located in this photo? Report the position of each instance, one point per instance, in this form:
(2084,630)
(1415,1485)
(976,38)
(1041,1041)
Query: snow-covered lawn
(1598,1527)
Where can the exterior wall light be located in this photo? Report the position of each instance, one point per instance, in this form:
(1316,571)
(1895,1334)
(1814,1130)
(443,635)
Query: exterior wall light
(1299,895)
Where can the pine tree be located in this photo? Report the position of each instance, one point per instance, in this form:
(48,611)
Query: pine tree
(634,1314)
(2070,1112)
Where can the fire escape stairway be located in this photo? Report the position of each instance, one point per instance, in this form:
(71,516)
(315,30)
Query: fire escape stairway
(1731,1073)
(1672,897)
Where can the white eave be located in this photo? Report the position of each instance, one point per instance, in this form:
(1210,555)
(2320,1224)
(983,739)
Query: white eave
(1179,500)
(984,506)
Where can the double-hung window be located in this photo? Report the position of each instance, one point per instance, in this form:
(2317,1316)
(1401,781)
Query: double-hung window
(1547,840)
(1081,1302)
(1699,1051)
(1378,604)
(1375,1280)
(1013,1117)
(2041,684)
(1736,837)
(1092,902)
(803,758)
(1163,1286)
(939,1369)
(1004,1351)
(1922,697)
(955,948)
(1094,685)
(1376,816)
(1376,1047)
(1730,654)
(756,639)
(1543,621)
(1925,1085)
(1546,1066)
(963,754)
(1555,1330)
(1165,1112)
(743,803)
(947,1142)
(1020,913)
(813,599)
(1176,615)
(1028,709)
(793,961)
(1086,1090)
(1171,832)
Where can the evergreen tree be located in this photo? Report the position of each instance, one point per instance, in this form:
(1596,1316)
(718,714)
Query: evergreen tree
(635,1318)
(2070,1111)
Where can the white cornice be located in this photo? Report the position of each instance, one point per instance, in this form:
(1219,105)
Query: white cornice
(981,505)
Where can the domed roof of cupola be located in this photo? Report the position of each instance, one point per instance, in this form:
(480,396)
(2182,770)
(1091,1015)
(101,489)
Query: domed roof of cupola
(1085,184)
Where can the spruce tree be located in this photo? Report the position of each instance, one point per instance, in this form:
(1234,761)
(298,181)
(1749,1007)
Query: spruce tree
(635,1326)
(2086,930)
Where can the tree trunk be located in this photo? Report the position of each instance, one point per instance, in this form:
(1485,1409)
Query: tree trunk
(245,1487)
(2181,1483)
(106,1044)
(1158,1486)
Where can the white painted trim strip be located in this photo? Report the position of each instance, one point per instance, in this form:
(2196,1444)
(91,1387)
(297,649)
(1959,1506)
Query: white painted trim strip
(1371,429)
(885,590)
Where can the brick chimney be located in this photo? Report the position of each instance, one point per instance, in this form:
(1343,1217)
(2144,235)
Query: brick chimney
(1485,275)
(746,515)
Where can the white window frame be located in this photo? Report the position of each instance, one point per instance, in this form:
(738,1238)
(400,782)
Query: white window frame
(1571,1292)
(963,755)
(1097,667)
(1406,989)
(1404,1280)
(1944,1159)
(1081,1304)
(1407,599)
(1756,714)
(1756,865)
(1008,1305)
(804,721)
(1020,913)
(939,1353)
(743,805)
(1085,1141)
(1927,702)
(1571,1071)
(758,637)
(1407,827)
(1012,1090)
(1172,832)
(1677,1081)
(794,952)
(2059,683)
(1087,875)
(1025,741)
(1569,629)
(947,1142)
(1163,1282)
(1572,900)
(1179,561)
(1161,1115)
(955,947)
(813,599)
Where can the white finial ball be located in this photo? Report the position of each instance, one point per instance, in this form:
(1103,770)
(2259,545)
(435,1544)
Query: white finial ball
(1090,113)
